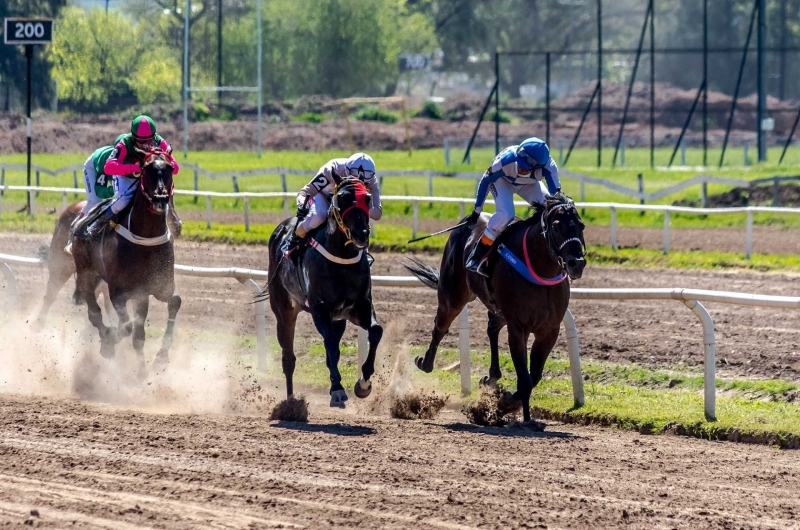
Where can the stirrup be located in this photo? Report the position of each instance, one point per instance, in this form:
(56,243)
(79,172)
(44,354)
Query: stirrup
(68,248)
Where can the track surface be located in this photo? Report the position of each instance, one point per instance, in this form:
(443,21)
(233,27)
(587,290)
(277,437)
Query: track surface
(754,342)
(139,457)
(89,466)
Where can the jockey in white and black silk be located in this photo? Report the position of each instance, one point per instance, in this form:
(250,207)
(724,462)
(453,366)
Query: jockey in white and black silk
(319,190)
(517,169)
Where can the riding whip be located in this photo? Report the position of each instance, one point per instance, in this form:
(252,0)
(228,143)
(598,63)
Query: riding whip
(440,232)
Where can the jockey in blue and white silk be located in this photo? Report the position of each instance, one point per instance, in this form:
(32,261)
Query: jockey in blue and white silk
(318,192)
(517,169)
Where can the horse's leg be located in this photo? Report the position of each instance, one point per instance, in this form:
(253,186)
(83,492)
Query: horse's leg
(125,326)
(286,321)
(331,336)
(496,323)
(518,344)
(542,346)
(367,320)
(142,306)
(86,283)
(445,314)
(173,306)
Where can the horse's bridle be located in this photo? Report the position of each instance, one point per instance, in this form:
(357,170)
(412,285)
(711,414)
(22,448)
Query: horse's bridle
(153,152)
(548,235)
(339,216)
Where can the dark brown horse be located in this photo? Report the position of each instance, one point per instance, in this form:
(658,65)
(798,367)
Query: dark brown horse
(331,281)
(549,243)
(136,262)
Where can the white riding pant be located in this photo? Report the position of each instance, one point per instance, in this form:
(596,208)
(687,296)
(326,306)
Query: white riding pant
(89,182)
(503,192)
(317,214)
(124,190)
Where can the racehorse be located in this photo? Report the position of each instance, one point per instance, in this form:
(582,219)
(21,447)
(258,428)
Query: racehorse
(547,248)
(136,263)
(330,280)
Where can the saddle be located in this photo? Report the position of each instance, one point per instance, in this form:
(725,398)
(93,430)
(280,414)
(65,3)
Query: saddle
(91,216)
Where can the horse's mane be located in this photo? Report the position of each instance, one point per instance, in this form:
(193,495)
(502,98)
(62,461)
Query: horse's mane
(552,202)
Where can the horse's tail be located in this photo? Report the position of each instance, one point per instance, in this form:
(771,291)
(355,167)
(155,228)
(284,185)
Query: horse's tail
(426,274)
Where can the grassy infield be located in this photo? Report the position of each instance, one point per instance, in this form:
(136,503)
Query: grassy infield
(629,396)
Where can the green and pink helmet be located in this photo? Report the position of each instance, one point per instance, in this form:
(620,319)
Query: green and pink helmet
(143,128)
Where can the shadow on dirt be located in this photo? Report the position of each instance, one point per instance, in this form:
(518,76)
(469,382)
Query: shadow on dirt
(338,429)
(510,431)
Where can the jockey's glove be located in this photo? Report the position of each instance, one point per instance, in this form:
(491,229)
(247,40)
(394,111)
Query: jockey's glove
(473,217)
(302,212)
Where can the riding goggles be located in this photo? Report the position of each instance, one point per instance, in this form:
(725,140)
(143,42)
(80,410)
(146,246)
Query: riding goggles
(528,159)
(363,175)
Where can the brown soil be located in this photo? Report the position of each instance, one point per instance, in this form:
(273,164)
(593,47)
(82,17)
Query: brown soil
(71,464)
(417,406)
(751,342)
(788,195)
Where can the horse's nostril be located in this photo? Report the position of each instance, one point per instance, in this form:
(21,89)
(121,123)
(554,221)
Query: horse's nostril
(571,263)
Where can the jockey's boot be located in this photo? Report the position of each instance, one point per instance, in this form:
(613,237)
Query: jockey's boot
(72,226)
(103,220)
(294,244)
(478,260)
(173,221)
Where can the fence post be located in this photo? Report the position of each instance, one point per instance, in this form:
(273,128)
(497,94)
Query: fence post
(63,201)
(640,178)
(430,189)
(666,232)
(235,182)
(363,348)
(746,157)
(704,195)
(3,180)
(776,193)
(196,185)
(748,238)
(461,210)
(710,361)
(560,153)
(463,351)
(38,183)
(622,154)
(75,180)
(613,228)
(208,211)
(246,213)
(683,152)
(574,349)
(32,195)
(583,191)
(446,151)
(285,199)
(415,226)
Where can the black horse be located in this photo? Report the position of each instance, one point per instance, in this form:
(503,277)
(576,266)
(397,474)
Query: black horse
(547,244)
(330,279)
(136,262)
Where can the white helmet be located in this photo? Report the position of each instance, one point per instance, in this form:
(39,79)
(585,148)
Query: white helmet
(361,166)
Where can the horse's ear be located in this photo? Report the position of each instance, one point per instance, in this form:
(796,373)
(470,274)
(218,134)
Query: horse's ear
(336,178)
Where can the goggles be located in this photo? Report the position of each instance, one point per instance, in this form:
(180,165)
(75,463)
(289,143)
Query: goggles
(528,159)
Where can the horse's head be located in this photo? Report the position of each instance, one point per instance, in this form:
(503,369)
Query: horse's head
(563,230)
(156,183)
(350,210)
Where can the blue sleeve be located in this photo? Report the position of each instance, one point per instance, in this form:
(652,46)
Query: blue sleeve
(483,188)
(550,173)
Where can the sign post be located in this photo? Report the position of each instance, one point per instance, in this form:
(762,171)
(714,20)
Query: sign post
(27,32)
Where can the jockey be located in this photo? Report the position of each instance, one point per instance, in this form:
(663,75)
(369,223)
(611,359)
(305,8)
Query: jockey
(320,189)
(124,165)
(517,169)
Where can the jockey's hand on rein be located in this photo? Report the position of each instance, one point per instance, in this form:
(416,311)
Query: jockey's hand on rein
(473,217)
(302,212)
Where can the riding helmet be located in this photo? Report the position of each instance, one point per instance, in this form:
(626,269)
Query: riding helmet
(360,163)
(532,153)
(143,128)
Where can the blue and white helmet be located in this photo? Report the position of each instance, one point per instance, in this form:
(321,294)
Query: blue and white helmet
(532,153)
(361,166)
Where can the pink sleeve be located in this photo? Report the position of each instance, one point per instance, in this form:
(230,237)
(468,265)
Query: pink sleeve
(115,167)
(164,146)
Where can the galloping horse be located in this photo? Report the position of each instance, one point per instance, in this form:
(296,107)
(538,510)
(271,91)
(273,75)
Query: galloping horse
(136,262)
(331,281)
(540,250)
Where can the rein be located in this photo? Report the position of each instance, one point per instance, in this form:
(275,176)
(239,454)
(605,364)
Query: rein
(548,236)
(339,216)
(150,154)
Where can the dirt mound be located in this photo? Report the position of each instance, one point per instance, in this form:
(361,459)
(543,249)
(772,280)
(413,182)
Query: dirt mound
(417,406)
(789,195)
(292,409)
(494,408)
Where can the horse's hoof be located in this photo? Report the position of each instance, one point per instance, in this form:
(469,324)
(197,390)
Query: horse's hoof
(508,404)
(420,362)
(488,382)
(161,361)
(362,388)
(107,349)
(338,398)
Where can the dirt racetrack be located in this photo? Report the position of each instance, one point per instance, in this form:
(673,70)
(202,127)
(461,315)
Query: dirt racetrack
(752,342)
(185,451)
(91,466)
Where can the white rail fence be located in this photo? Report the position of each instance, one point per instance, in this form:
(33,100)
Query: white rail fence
(463,203)
(692,298)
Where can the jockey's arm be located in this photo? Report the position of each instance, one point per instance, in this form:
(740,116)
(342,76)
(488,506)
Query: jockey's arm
(114,165)
(164,146)
(375,207)
(550,175)
(489,177)
(320,181)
